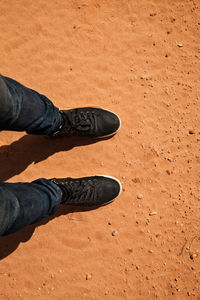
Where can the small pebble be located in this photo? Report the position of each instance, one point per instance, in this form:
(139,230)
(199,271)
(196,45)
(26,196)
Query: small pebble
(140,196)
(88,276)
(191,131)
(180,45)
(136,180)
(114,233)
(192,256)
(172,286)
(145,76)
(153,213)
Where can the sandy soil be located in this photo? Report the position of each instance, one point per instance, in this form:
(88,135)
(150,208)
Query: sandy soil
(141,60)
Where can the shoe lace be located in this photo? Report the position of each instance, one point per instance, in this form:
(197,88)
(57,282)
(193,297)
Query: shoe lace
(80,121)
(80,191)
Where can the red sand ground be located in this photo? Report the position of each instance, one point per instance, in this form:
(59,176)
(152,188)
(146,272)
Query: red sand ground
(141,60)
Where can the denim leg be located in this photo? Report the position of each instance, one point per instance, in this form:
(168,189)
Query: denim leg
(8,109)
(22,204)
(9,209)
(23,109)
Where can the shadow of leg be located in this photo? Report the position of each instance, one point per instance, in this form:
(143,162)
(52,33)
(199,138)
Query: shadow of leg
(9,243)
(16,157)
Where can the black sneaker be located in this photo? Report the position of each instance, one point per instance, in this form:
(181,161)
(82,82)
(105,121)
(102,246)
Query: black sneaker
(88,191)
(88,121)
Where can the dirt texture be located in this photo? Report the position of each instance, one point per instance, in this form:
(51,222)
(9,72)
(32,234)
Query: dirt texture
(141,60)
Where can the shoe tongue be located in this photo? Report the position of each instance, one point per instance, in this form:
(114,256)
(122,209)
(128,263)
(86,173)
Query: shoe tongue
(81,123)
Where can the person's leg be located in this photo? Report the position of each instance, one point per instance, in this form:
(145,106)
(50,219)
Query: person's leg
(9,209)
(22,204)
(23,109)
(26,110)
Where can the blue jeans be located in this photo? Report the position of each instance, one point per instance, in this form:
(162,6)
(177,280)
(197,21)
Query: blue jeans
(23,109)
